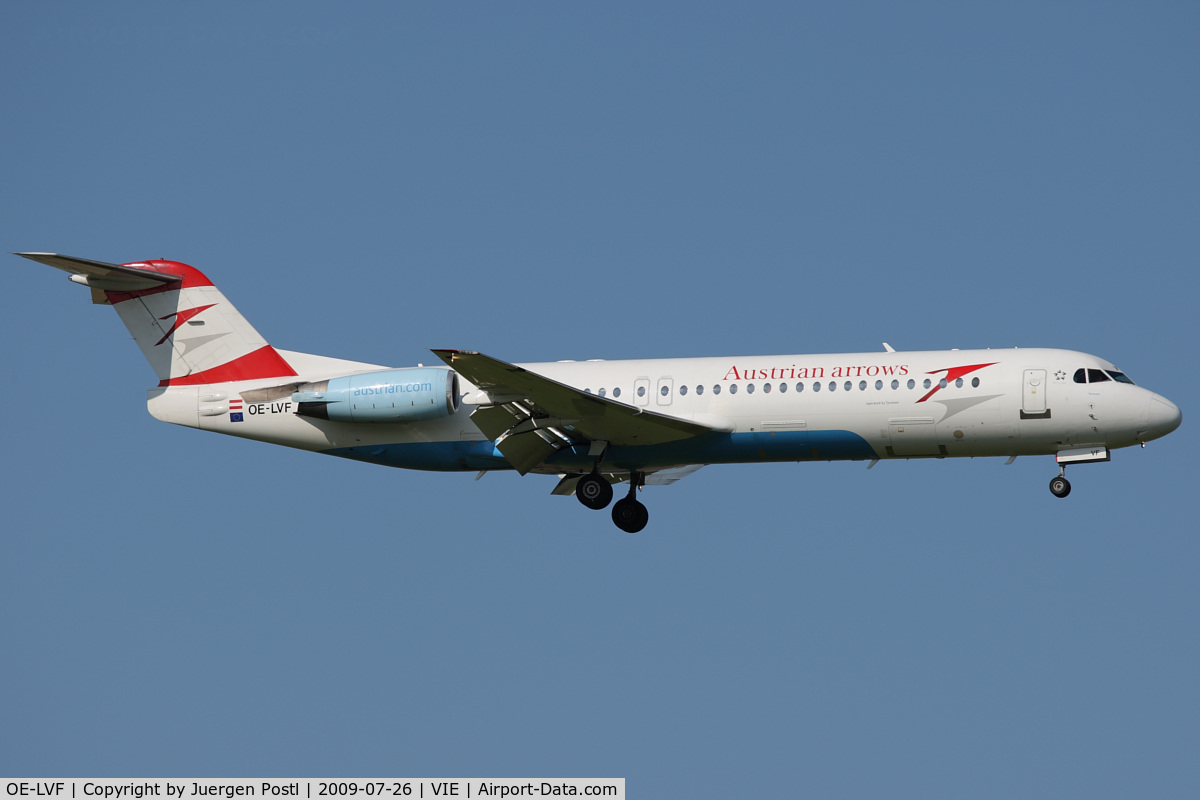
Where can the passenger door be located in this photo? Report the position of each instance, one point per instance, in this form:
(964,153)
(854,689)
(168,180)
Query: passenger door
(1033,395)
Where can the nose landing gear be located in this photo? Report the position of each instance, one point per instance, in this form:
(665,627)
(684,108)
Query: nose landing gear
(1060,486)
(1091,454)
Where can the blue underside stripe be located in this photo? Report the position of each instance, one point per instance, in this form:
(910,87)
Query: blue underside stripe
(436,456)
(713,448)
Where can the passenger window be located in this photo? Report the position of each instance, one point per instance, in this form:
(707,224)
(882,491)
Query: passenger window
(716,388)
(699,388)
(1097,376)
(733,388)
(799,387)
(682,390)
(1080,375)
(911,383)
(749,388)
(816,386)
(895,383)
(927,383)
(958,382)
(783,387)
(663,391)
(878,385)
(833,386)
(617,392)
(862,385)
(641,391)
(848,386)
(975,382)
(767,388)
(942,383)
(604,393)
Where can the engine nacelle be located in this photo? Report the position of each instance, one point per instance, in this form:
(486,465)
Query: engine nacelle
(394,395)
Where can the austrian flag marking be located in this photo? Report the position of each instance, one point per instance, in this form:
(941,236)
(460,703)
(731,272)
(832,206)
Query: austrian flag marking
(235,410)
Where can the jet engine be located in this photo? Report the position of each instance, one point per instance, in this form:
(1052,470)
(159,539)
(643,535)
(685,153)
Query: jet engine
(395,395)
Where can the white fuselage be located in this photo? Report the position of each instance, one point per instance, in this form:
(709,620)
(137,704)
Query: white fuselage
(946,403)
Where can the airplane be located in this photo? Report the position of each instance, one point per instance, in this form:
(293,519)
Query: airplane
(597,423)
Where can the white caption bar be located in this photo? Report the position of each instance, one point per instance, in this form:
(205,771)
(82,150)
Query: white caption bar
(306,788)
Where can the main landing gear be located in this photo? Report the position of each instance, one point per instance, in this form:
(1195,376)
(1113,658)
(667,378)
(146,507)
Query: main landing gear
(628,514)
(1060,486)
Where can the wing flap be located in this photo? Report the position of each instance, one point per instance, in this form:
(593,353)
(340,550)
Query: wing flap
(528,450)
(524,445)
(665,477)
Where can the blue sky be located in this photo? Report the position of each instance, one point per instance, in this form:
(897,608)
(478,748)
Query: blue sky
(550,181)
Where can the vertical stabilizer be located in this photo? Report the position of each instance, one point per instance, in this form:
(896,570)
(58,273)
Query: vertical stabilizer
(185,327)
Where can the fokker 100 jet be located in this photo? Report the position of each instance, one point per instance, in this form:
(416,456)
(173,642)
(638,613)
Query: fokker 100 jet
(597,423)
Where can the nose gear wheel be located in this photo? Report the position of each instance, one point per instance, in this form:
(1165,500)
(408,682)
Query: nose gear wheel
(1060,486)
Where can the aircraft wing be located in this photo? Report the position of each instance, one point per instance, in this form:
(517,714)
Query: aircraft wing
(103,277)
(532,416)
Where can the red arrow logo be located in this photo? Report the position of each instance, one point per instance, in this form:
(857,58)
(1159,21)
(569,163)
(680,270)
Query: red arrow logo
(180,318)
(953,374)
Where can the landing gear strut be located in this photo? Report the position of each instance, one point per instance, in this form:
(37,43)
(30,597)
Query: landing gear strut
(593,491)
(628,514)
(1060,486)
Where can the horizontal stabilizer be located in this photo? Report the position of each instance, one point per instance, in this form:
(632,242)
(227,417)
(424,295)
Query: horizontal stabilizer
(106,277)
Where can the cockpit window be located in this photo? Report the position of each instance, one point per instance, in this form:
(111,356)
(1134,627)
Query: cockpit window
(1100,375)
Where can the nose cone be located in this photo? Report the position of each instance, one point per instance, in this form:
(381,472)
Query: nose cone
(1162,417)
